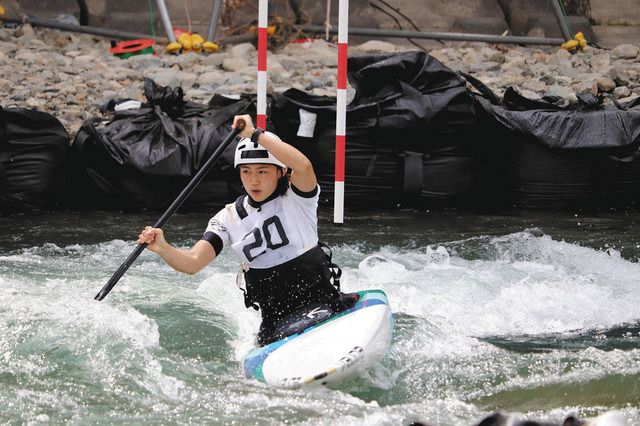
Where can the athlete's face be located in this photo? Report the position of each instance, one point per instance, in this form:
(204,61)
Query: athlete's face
(260,180)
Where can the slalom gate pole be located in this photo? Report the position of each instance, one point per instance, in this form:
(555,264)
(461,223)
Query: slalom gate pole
(341,111)
(261,107)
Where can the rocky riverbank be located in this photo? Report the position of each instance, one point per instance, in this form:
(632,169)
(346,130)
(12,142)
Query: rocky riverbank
(71,75)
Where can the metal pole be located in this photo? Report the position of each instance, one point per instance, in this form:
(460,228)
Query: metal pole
(162,7)
(215,16)
(440,36)
(237,39)
(564,28)
(124,35)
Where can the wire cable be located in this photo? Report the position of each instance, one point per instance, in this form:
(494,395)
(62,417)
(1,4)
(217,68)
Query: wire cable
(186,13)
(151,21)
(566,20)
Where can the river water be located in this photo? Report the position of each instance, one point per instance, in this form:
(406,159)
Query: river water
(531,314)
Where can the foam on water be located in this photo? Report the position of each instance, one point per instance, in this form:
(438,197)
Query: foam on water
(450,297)
(66,357)
(524,284)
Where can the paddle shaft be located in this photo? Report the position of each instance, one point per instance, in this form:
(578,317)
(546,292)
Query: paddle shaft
(172,209)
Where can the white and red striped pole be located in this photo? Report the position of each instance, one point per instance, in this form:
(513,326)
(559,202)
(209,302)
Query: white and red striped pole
(261,112)
(341,111)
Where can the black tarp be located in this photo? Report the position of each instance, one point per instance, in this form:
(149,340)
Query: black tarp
(33,146)
(143,157)
(584,156)
(410,134)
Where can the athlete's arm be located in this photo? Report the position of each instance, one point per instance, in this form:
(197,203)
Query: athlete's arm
(302,176)
(188,261)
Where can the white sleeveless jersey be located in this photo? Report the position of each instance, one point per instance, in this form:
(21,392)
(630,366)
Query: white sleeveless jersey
(272,234)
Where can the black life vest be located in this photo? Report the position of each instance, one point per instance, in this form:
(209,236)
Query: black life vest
(309,278)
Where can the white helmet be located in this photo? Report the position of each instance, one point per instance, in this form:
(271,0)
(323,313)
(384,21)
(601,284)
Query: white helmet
(248,152)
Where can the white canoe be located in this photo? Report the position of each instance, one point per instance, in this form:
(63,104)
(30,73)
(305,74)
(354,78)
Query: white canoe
(329,352)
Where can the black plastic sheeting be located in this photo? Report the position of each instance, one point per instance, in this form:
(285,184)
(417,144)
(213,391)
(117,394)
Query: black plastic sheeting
(33,146)
(417,137)
(580,157)
(144,157)
(410,135)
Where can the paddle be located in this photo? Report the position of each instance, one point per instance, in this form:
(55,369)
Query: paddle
(172,208)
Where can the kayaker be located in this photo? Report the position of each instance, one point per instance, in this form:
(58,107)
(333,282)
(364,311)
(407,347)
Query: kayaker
(273,229)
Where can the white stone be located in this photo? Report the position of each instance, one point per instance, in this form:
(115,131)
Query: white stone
(234,64)
(561,63)
(5,35)
(244,50)
(315,49)
(274,66)
(214,59)
(628,99)
(375,46)
(27,57)
(26,30)
(492,55)
(621,92)
(84,60)
(564,92)
(167,77)
(250,72)
(5,85)
(143,62)
(625,51)
(211,78)
(599,61)
(440,55)
(187,79)
(530,94)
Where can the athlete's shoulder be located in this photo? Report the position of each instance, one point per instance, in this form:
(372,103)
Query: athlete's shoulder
(229,211)
(293,191)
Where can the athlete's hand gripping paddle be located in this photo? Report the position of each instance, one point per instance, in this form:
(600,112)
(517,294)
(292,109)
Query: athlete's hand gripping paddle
(173,207)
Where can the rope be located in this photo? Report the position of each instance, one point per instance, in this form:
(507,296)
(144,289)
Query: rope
(398,24)
(327,22)
(186,13)
(151,22)
(564,14)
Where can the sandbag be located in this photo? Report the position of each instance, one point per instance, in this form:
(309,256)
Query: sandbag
(33,146)
(144,157)
(580,157)
(413,92)
(371,170)
(406,107)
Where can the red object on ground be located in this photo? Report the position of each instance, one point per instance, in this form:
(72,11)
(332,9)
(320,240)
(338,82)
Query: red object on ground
(132,46)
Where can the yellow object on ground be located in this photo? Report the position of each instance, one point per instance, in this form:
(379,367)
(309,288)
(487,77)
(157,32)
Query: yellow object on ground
(185,41)
(211,47)
(174,47)
(191,42)
(578,43)
(196,42)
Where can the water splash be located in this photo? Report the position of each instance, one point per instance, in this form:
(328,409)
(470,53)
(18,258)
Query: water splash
(481,324)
